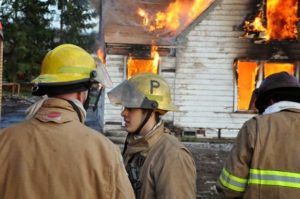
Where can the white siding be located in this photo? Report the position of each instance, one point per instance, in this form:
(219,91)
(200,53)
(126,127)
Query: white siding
(168,63)
(205,76)
(115,67)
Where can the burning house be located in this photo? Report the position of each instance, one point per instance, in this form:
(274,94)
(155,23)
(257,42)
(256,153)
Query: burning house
(213,53)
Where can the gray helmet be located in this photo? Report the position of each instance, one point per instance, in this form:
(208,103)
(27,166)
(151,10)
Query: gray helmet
(282,86)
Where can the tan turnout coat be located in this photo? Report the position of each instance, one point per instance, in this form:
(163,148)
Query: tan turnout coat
(265,160)
(168,171)
(54,156)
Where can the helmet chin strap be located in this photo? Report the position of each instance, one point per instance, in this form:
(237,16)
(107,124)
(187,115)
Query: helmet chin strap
(149,112)
(137,131)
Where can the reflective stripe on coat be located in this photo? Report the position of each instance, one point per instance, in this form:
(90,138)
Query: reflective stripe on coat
(264,161)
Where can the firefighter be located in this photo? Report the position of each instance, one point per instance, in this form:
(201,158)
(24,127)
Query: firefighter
(159,166)
(264,161)
(53,154)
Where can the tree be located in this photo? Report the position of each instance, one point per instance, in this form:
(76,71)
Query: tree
(29,32)
(75,21)
(26,36)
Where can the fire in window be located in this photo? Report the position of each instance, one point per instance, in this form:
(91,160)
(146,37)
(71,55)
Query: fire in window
(251,73)
(246,82)
(271,68)
(276,21)
(143,65)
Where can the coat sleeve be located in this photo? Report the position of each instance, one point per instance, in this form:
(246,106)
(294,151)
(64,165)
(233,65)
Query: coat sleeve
(233,180)
(121,185)
(177,177)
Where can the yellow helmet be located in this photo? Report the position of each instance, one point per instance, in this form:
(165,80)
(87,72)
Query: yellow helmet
(68,65)
(147,91)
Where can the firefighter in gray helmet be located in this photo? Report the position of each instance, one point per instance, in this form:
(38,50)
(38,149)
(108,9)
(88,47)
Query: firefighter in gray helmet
(159,166)
(53,154)
(264,161)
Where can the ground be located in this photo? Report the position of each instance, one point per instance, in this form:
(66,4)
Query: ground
(209,154)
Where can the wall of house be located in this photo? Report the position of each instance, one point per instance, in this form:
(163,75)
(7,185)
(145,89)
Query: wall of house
(205,77)
(204,82)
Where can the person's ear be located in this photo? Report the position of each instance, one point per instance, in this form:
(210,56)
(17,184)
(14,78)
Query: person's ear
(81,96)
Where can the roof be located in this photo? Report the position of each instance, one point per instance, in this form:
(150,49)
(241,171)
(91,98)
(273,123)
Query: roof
(123,25)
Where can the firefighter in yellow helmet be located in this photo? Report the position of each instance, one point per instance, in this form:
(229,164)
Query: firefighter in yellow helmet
(264,161)
(53,154)
(159,166)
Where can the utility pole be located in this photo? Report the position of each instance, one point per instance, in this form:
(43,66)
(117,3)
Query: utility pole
(1,65)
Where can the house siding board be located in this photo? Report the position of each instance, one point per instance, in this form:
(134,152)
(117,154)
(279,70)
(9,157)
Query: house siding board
(206,98)
(115,68)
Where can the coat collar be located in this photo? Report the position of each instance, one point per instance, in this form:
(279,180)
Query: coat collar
(56,110)
(144,144)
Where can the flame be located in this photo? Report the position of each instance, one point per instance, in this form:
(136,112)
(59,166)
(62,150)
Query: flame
(256,25)
(176,17)
(155,56)
(101,56)
(135,66)
(247,72)
(281,21)
(271,68)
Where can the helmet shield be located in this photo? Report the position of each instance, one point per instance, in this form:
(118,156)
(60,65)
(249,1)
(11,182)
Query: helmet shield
(102,75)
(127,95)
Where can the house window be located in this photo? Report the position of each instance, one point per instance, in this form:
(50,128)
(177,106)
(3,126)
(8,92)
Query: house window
(143,65)
(250,74)
(136,66)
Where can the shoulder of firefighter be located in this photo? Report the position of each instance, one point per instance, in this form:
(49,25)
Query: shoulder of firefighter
(175,175)
(264,161)
(90,164)
(166,169)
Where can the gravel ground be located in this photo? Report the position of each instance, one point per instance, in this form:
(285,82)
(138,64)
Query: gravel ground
(209,158)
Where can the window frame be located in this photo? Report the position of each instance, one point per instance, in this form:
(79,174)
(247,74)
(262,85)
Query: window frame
(259,77)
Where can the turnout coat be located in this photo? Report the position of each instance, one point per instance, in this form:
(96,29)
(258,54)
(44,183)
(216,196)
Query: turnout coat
(55,156)
(160,167)
(265,160)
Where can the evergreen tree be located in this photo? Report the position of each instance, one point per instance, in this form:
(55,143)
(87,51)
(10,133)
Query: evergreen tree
(26,37)
(29,32)
(76,21)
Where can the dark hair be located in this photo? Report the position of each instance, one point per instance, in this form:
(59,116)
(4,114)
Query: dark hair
(53,90)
